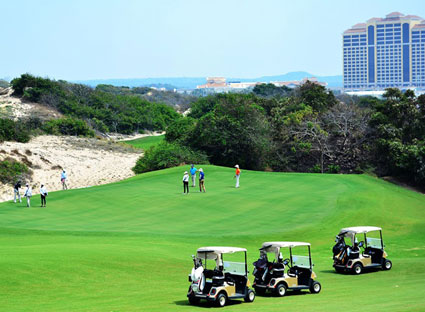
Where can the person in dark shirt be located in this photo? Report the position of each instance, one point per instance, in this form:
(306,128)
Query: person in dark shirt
(16,193)
(201,180)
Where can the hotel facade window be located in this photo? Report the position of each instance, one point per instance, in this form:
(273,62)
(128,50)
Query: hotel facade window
(385,52)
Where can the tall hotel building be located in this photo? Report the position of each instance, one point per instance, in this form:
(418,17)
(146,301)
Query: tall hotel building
(385,52)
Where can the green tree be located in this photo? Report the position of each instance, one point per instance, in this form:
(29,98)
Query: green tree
(399,135)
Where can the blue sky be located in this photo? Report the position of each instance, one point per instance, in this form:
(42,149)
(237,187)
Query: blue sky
(180,38)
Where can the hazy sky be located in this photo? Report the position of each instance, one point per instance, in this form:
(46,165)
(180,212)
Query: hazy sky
(174,38)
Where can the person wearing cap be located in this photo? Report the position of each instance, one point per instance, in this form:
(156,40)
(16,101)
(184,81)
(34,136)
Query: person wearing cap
(201,180)
(193,174)
(28,194)
(43,194)
(63,180)
(185,182)
(16,192)
(237,175)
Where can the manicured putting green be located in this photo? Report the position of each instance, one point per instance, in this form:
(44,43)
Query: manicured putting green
(146,142)
(127,246)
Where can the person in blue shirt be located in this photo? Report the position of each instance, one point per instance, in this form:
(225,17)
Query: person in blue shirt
(193,174)
(64,176)
(201,180)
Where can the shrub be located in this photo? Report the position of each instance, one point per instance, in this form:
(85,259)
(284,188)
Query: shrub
(13,131)
(12,170)
(316,169)
(334,168)
(166,155)
(68,126)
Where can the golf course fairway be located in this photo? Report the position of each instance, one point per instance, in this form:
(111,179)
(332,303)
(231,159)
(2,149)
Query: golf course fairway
(146,142)
(127,246)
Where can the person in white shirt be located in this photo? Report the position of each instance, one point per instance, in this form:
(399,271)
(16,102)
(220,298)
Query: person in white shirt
(185,182)
(63,180)
(28,194)
(43,194)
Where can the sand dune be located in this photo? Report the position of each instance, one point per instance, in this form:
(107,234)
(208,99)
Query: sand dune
(15,108)
(88,162)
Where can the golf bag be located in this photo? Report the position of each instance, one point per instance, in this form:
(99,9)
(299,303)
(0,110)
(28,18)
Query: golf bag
(261,268)
(339,246)
(197,276)
(339,250)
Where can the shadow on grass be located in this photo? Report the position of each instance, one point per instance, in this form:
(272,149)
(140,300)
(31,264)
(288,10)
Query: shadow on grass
(289,293)
(365,271)
(205,304)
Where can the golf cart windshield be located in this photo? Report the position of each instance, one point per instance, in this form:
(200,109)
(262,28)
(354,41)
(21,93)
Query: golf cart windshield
(237,268)
(374,242)
(301,261)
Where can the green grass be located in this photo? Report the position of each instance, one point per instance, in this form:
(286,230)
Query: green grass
(146,142)
(127,246)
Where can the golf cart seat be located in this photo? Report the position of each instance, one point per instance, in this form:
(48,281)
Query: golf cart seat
(238,280)
(354,254)
(213,274)
(278,269)
(303,274)
(218,280)
(375,253)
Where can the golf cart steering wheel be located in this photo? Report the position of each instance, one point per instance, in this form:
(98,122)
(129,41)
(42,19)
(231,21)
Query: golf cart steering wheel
(286,262)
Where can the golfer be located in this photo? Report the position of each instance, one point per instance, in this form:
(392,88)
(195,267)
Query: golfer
(237,175)
(43,194)
(201,180)
(185,182)
(193,174)
(16,192)
(64,176)
(28,194)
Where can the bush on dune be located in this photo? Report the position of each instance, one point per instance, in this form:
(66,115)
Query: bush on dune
(68,126)
(118,112)
(12,170)
(166,155)
(11,130)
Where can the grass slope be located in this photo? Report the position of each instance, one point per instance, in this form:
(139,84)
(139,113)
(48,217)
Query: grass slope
(127,246)
(146,142)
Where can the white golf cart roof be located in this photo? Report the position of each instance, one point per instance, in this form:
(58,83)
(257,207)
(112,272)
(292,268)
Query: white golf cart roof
(214,251)
(274,245)
(359,229)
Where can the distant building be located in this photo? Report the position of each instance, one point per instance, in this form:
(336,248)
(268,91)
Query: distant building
(385,52)
(214,82)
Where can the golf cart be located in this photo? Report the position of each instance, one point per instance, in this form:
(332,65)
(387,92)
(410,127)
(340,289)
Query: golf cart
(272,276)
(368,253)
(227,280)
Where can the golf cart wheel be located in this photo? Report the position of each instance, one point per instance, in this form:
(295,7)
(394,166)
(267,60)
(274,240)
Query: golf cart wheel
(280,290)
(193,300)
(260,291)
(357,268)
(221,300)
(339,270)
(250,296)
(315,288)
(387,265)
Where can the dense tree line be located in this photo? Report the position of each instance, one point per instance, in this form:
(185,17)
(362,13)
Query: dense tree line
(308,130)
(104,111)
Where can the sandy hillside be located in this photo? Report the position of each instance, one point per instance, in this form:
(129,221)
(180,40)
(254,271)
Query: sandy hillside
(14,108)
(88,162)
